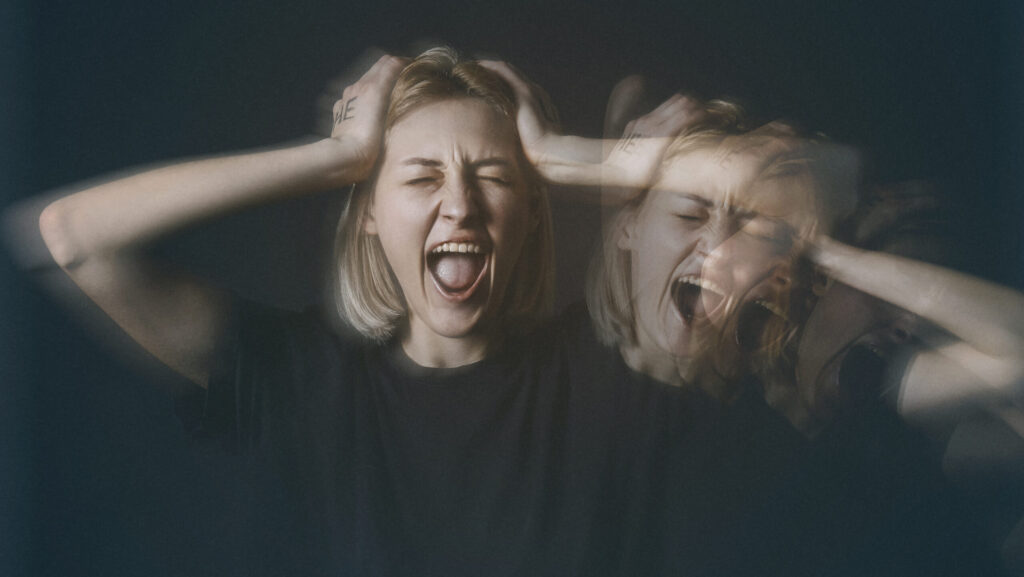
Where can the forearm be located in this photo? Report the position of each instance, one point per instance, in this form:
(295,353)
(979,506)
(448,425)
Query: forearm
(985,315)
(127,212)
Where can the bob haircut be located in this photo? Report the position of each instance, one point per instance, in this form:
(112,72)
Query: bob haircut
(366,294)
(609,292)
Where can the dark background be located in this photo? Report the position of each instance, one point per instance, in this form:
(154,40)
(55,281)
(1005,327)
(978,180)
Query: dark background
(96,475)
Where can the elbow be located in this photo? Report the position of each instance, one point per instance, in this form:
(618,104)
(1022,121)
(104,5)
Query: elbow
(55,230)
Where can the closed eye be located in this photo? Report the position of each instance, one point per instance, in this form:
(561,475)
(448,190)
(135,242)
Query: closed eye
(497,180)
(421,180)
(690,217)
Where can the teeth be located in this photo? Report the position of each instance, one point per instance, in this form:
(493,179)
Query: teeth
(703,283)
(458,247)
(772,307)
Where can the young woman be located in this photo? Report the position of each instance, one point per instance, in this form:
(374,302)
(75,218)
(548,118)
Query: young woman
(454,435)
(701,285)
(712,225)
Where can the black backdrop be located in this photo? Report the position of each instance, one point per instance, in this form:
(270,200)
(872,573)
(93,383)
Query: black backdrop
(96,477)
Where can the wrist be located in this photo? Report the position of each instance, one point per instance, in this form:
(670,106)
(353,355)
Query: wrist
(340,163)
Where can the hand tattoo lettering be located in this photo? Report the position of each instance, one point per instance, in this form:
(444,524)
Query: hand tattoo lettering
(346,112)
(627,144)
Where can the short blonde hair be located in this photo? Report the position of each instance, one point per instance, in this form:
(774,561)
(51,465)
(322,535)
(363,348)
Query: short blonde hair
(366,293)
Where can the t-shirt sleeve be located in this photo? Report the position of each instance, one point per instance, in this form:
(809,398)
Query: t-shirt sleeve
(270,367)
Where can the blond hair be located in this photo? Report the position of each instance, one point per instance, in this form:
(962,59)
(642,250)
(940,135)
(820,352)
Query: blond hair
(366,293)
(609,290)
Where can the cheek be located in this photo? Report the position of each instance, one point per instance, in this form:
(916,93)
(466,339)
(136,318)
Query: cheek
(401,228)
(747,261)
(510,220)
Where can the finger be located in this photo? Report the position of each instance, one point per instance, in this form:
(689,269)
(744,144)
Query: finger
(547,107)
(508,74)
(526,98)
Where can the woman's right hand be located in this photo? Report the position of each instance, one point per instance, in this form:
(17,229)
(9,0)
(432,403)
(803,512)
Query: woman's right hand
(358,116)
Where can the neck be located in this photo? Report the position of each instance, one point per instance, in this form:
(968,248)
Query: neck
(429,349)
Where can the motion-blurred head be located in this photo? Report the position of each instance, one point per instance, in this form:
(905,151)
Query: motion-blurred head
(695,268)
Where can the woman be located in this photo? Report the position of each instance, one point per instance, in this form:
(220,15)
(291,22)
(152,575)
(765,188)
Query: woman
(697,287)
(451,437)
(713,224)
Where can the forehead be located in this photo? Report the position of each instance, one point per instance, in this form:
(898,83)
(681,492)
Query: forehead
(463,127)
(719,175)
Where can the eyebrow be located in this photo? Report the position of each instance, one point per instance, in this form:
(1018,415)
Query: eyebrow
(689,196)
(492,161)
(418,161)
(433,163)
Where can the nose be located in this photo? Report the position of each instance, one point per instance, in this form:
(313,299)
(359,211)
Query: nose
(459,202)
(715,233)
(781,274)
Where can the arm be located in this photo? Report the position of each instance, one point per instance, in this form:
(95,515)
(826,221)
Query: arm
(94,235)
(986,319)
(628,163)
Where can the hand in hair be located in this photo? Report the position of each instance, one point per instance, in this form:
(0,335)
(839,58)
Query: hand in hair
(634,159)
(566,159)
(358,116)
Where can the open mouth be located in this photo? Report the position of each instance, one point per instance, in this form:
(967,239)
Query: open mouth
(696,297)
(861,374)
(457,268)
(753,320)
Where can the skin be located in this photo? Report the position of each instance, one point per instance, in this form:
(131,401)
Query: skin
(95,235)
(720,223)
(842,318)
(451,173)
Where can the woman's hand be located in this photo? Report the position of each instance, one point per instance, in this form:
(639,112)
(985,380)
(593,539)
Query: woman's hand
(635,157)
(358,117)
(536,119)
(583,161)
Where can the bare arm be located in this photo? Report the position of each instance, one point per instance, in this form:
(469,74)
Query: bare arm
(95,235)
(626,163)
(987,319)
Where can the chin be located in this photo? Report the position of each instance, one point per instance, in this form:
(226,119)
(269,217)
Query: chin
(458,325)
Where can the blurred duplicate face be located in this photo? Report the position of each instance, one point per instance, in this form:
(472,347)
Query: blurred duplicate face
(716,229)
(850,337)
(452,212)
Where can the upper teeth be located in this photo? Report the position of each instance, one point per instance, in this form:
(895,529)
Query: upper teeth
(703,283)
(465,247)
(774,308)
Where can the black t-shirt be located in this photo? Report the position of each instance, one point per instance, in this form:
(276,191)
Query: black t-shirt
(535,461)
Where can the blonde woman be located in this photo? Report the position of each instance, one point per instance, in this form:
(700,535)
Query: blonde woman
(449,437)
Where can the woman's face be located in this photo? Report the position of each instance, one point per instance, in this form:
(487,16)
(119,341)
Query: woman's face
(709,232)
(451,209)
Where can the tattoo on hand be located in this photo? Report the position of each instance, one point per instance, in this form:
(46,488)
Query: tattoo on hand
(627,144)
(346,112)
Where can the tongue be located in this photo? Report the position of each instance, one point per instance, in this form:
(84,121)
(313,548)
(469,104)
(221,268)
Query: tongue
(457,272)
